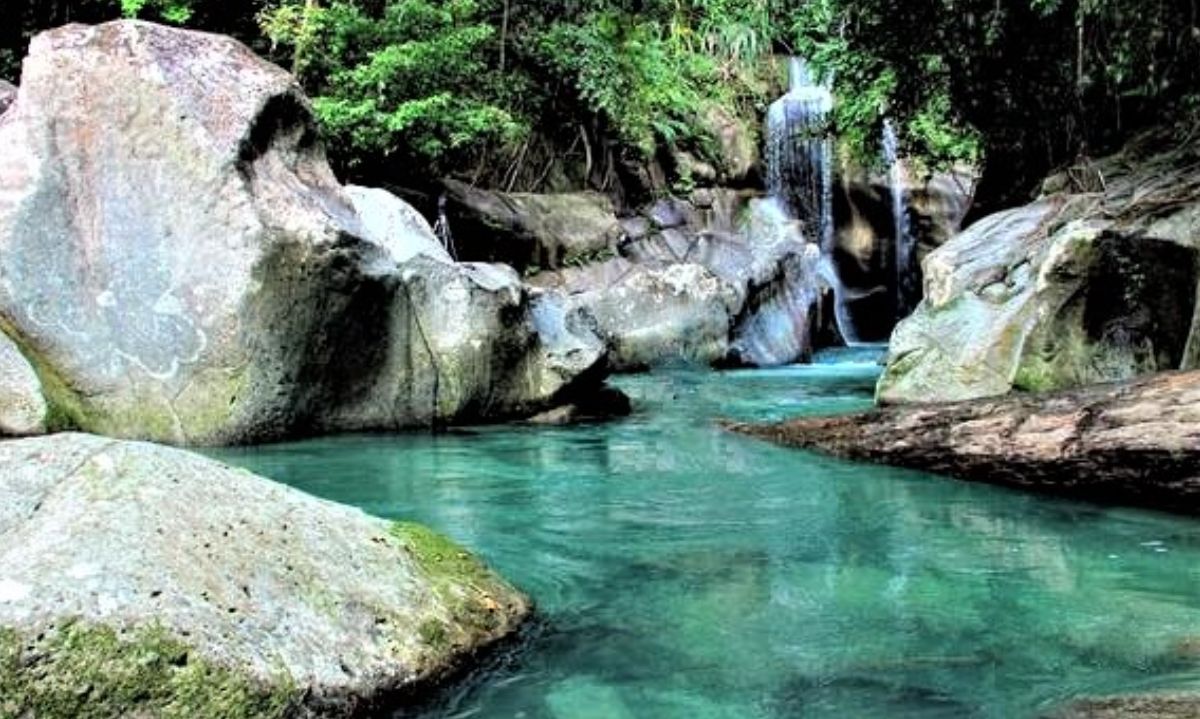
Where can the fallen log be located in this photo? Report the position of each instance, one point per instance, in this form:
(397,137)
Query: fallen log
(1129,443)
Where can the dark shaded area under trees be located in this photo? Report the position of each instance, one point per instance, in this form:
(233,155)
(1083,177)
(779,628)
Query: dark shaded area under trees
(493,91)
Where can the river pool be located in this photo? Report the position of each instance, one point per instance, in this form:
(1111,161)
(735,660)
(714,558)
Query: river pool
(681,571)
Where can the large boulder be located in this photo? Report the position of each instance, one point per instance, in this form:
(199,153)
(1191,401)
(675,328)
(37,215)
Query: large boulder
(1096,281)
(179,263)
(528,230)
(686,294)
(137,580)
(678,313)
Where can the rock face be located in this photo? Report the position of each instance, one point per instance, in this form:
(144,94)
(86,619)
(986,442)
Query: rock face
(137,580)
(529,230)
(686,292)
(179,263)
(737,155)
(1135,443)
(677,313)
(1096,281)
(22,407)
(864,241)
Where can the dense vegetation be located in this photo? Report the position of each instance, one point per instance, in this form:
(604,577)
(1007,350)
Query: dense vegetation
(490,89)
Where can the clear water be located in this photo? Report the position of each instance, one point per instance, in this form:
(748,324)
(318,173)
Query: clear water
(685,572)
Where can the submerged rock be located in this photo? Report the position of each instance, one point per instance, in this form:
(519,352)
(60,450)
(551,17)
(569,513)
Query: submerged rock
(1094,282)
(1143,706)
(606,404)
(137,580)
(1135,443)
(180,264)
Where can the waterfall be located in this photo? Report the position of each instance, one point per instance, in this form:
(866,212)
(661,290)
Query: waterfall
(799,159)
(799,152)
(442,229)
(907,293)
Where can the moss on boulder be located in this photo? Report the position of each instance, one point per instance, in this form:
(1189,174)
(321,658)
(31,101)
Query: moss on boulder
(138,580)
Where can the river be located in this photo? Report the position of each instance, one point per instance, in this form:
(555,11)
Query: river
(681,571)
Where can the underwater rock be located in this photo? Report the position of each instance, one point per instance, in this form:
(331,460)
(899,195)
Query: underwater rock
(1137,706)
(138,580)
(609,403)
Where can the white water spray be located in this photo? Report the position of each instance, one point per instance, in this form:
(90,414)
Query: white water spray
(907,293)
(442,229)
(799,160)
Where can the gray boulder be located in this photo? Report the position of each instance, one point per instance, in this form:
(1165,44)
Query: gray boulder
(181,264)
(396,225)
(528,230)
(697,296)
(1088,284)
(137,580)
(649,316)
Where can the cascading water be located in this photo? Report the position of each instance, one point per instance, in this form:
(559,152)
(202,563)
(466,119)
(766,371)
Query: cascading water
(907,292)
(799,152)
(799,159)
(442,229)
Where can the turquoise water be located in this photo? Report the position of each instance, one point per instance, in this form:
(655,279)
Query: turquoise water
(684,572)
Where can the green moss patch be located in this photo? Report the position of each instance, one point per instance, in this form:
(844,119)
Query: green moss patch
(466,586)
(79,672)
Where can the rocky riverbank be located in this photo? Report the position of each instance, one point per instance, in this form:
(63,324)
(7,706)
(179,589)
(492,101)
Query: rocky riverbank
(1133,443)
(720,276)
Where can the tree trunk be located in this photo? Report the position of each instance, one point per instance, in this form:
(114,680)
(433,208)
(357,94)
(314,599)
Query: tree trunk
(1132,443)
(503,35)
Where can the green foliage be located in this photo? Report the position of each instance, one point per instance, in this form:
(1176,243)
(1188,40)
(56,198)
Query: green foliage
(629,71)
(428,87)
(1026,84)
(176,12)
(408,80)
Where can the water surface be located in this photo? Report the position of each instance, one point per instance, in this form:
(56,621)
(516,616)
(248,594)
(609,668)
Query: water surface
(685,572)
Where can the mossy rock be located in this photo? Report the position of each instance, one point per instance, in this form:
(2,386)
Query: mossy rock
(138,580)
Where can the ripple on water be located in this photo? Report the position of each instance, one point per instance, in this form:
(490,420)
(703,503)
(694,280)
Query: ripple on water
(685,572)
